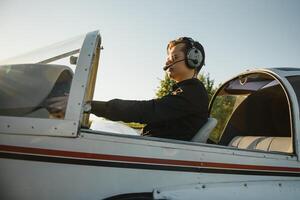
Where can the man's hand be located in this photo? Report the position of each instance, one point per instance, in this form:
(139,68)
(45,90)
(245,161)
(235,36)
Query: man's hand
(57,104)
(87,107)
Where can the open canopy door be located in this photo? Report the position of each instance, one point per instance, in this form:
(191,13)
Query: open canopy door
(30,85)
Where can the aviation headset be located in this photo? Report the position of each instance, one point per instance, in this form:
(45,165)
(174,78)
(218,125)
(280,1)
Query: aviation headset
(194,55)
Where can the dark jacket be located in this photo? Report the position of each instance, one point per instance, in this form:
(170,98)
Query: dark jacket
(178,115)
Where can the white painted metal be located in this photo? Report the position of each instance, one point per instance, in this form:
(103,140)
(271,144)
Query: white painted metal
(40,180)
(246,190)
(82,74)
(36,126)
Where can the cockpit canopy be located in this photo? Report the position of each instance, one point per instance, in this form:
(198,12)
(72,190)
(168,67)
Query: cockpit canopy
(25,88)
(253,105)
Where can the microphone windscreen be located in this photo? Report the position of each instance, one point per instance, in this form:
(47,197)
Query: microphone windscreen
(166,67)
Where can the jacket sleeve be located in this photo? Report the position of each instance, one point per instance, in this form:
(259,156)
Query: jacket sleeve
(167,108)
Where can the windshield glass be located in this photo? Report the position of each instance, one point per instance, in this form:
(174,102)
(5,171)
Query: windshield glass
(57,53)
(26,89)
(37,84)
(250,105)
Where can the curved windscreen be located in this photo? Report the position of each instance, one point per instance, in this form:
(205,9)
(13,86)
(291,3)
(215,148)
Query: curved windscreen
(54,53)
(251,105)
(37,83)
(25,89)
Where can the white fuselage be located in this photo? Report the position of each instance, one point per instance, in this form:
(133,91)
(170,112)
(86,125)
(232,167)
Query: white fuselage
(97,165)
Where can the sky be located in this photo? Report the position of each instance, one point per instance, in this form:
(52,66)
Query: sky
(237,35)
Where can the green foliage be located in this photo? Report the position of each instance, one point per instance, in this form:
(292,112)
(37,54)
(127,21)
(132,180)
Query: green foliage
(221,110)
(165,87)
(209,84)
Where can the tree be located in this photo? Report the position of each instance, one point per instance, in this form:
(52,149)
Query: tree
(165,87)
(221,110)
(209,85)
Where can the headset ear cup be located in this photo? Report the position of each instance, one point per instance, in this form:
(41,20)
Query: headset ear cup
(194,58)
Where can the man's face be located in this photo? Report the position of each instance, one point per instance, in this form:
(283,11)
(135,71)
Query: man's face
(179,71)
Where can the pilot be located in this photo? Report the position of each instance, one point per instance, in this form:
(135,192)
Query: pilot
(178,115)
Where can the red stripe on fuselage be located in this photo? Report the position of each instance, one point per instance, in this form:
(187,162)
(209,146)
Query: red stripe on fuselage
(140,160)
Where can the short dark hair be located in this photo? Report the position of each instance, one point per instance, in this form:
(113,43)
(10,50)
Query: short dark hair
(188,43)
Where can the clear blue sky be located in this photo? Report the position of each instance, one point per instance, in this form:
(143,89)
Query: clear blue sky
(237,35)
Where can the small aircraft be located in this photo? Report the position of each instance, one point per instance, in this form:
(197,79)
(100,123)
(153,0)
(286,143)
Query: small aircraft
(249,148)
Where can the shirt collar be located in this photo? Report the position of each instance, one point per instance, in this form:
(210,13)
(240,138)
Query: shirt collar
(185,82)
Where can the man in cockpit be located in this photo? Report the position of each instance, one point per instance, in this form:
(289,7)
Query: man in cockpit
(178,115)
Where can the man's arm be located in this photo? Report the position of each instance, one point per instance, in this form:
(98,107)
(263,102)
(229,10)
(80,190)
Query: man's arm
(167,108)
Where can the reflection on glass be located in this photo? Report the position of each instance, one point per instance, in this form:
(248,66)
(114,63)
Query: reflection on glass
(25,90)
(253,105)
(39,88)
